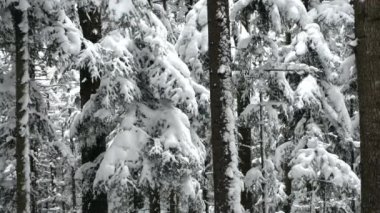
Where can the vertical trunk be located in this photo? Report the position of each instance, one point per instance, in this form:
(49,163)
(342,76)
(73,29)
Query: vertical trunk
(165,5)
(73,168)
(262,154)
(172,202)
(223,138)
(285,166)
(367,15)
(353,202)
(52,184)
(154,200)
(206,184)
(73,187)
(34,178)
(20,22)
(288,186)
(244,149)
(90,21)
(138,201)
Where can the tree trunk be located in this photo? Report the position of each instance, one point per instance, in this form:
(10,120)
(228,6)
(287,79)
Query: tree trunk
(90,21)
(73,186)
(154,200)
(172,202)
(223,138)
(290,134)
(262,155)
(165,5)
(244,149)
(205,190)
(20,21)
(138,201)
(367,15)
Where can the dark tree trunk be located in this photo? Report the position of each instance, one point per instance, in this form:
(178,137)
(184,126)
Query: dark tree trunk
(223,130)
(73,185)
(90,21)
(165,5)
(205,190)
(244,149)
(154,200)
(34,178)
(22,98)
(289,134)
(138,201)
(288,186)
(367,15)
(262,155)
(172,202)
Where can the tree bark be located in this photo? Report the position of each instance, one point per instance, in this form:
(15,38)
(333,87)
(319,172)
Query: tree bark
(367,26)
(223,131)
(20,21)
(154,200)
(172,202)
(90,21)
(290,134)
(245,140)
(165,5)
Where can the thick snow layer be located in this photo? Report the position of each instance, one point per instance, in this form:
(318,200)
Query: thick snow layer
(335,13)
(67,34)
(23,5)
(293,11)
(169,130)
(336,109)
(315,163)
(244,39)
(308,94)
(193,39)
(237,7)
(123,151)
(120,8)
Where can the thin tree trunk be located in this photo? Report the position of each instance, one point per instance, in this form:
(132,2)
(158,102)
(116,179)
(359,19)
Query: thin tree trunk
(20,21)
(138,201)
(154,200)
(367,26)
(353,202)
(73,186)
(245,145)
(172,202)
(90,21)
(223,131)
(206,184)
(165,5)
(33,182)
(285,166)
(262,154)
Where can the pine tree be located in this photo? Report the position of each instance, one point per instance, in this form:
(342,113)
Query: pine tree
(367,14)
